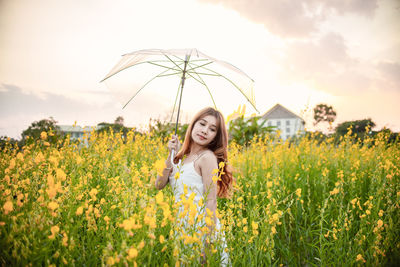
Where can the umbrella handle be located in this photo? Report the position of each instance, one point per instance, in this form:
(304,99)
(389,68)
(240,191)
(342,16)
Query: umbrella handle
(172,157)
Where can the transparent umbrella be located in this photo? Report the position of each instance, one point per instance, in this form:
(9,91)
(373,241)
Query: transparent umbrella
(219,80)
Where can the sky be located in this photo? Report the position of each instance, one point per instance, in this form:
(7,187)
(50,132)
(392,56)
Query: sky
(299,53)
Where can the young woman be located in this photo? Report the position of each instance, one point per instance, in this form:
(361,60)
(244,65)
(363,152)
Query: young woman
(203,152)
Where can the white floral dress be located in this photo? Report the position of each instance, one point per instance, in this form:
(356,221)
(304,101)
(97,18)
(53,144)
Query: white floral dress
(190,195)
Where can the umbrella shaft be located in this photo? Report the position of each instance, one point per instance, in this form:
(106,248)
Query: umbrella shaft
(180,97)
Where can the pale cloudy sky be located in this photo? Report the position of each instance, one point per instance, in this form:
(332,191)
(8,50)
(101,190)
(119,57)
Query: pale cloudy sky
(345,53)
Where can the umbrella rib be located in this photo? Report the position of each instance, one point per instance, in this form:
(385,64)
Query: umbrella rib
(169,68)
(174,61)
(208,74)
(193,60)
(200,66)
(137,92)
(205,85)
(237,87)
(170,74)
(149,62)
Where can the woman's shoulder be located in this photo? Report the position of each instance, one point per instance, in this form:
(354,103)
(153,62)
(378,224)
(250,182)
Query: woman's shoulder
(207,157)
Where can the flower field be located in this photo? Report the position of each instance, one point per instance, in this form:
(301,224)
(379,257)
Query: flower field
(292,205)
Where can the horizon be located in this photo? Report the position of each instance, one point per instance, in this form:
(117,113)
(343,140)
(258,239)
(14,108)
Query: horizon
(143,128)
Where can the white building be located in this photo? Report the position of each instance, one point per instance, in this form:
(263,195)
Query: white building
(284,120)
(76,132)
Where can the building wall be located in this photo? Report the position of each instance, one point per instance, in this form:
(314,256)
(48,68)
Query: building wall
(288,127)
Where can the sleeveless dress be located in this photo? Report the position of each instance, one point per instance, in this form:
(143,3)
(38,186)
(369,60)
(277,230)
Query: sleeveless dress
(190,195)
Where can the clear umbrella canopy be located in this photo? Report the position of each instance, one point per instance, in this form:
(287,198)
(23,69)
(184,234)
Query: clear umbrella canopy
(156,77)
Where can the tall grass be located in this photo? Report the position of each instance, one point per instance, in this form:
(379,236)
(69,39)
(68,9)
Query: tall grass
(293,205)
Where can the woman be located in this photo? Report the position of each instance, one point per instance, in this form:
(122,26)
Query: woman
(195,169)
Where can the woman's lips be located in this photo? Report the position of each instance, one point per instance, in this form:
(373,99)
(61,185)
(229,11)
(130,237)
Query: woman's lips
(201,137)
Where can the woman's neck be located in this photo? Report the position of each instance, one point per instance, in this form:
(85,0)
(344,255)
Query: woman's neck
(196,149)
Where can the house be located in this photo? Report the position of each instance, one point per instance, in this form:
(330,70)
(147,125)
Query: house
(288,123)
(76,132)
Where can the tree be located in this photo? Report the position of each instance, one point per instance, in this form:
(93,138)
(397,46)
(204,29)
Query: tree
(324,113)
(119,120)
(358,128)
(7,142)
(165,129)
(35,130)
(243,130)
(116,127)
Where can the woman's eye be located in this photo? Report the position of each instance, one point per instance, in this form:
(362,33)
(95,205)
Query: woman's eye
(212,130)
(202,124)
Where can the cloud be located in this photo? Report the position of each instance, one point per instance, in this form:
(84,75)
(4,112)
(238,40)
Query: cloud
(13,100)
(19,108)
(297,19)
(305,58)
(391,72)
(326,65)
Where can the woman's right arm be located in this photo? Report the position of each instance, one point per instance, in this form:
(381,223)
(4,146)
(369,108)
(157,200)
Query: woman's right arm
(162,180)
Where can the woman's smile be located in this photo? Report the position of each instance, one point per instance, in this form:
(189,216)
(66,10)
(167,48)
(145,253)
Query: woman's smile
(201,137)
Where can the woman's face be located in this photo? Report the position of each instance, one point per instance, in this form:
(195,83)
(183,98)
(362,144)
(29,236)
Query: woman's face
(204,130)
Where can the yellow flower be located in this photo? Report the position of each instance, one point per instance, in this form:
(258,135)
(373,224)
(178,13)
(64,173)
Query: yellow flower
(360,258)
(93,194)
(275,217)
(43,135)
(334,191)
(54,230)
(221,165)
(177,174)
(8,206)
(141,245)
(61,175)
(254,225)
(132,253)
(208,221)
(52,192)
(273,230)
(12,164)
(298,192)
(159,197)
(380,223)
(96,212)
(110,261)
(79,211)
(65,240)
(20,156)
(159,166)
(52,205)
(162,239)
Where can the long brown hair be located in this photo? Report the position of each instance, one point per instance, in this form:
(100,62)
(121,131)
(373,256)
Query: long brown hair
(219,146)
